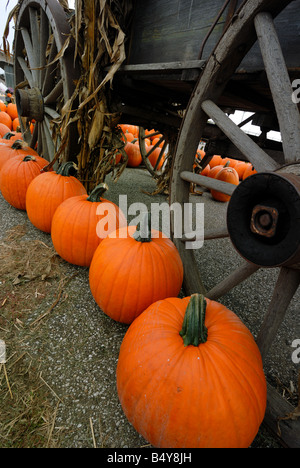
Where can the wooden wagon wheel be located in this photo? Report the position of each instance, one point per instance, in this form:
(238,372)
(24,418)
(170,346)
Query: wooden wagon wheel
(282,248)
(44,71)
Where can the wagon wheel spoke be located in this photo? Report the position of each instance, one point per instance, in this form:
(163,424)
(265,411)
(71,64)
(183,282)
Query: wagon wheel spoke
(32,58)
(285,289)
(280,86)
(49,75)
(156,169)
(260,160)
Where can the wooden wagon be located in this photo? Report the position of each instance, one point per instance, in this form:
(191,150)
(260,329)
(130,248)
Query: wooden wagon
(185,72)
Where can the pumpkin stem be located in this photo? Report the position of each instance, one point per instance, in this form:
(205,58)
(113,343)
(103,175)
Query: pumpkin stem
(29,158)
(143,229)
(18,144)
(97,193)
(66,168)
(194,331)
(8,136)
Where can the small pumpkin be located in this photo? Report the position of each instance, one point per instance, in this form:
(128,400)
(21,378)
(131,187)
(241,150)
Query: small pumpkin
(4,129)
(227,174)
(12,111)
(74,230)
(190,375)
(14,148)
(134,154)
(216,160)
(6,119)
(131,270)
(249,171)
(47,192)
(16,175)
(154,156)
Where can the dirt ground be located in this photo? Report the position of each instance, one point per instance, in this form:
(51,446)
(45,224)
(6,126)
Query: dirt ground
(58,387)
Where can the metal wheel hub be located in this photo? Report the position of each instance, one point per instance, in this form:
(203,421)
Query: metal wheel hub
(263,219)
(30,103)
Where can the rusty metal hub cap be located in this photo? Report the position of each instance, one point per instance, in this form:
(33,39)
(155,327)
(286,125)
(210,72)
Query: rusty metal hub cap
(263,219)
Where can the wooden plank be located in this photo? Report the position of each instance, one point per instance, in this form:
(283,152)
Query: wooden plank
(208,182)
(281,88)
(165,31)
(167,67)
(287,430)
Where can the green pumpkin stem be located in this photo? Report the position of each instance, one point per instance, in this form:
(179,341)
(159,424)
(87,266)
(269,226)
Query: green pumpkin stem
(29,158)
(194,331)
(97,193)
(66,168)
(143,229)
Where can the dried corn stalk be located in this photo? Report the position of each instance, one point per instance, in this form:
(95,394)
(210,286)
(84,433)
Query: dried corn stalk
(98,27)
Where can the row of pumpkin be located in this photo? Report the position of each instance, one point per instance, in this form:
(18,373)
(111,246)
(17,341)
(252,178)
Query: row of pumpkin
(178,356)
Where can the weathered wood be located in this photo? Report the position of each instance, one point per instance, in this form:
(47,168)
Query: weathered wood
(210,234)
(244,271)
(208,182)
(166,67)
(260,160)
(278,421)
(281,88)
(285,289)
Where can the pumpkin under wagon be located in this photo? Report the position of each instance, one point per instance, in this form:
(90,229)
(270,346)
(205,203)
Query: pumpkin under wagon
(197,71)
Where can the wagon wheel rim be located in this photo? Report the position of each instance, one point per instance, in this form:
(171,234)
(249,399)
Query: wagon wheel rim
(44,82)
(251,24)
(155,170)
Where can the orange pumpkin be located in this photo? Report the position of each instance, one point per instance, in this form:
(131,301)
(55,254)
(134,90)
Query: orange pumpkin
(12,111)
(240,168)
(190,375)
(134,155)
(16,175)
(130,271)
(14,148)
(74,231)
(216,160)
(2,106)
(227,174)
(154,156)
(48,191)
(6,119)
(4,129)
(249,171)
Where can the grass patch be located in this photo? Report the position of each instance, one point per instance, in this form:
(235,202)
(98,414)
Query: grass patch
(29,276)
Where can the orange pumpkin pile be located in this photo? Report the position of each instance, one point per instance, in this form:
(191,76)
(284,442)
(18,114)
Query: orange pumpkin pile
(132,147)
(226,169)
(9,116)
(179,355)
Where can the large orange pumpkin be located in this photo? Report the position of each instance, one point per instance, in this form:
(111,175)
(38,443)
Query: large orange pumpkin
(16,175)
(74,225)
(129,272)
(190,375)
(47,192)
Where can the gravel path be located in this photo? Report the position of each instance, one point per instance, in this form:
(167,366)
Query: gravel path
(76,347)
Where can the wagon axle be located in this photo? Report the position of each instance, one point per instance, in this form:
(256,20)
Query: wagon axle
(30,103)
(263,219)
